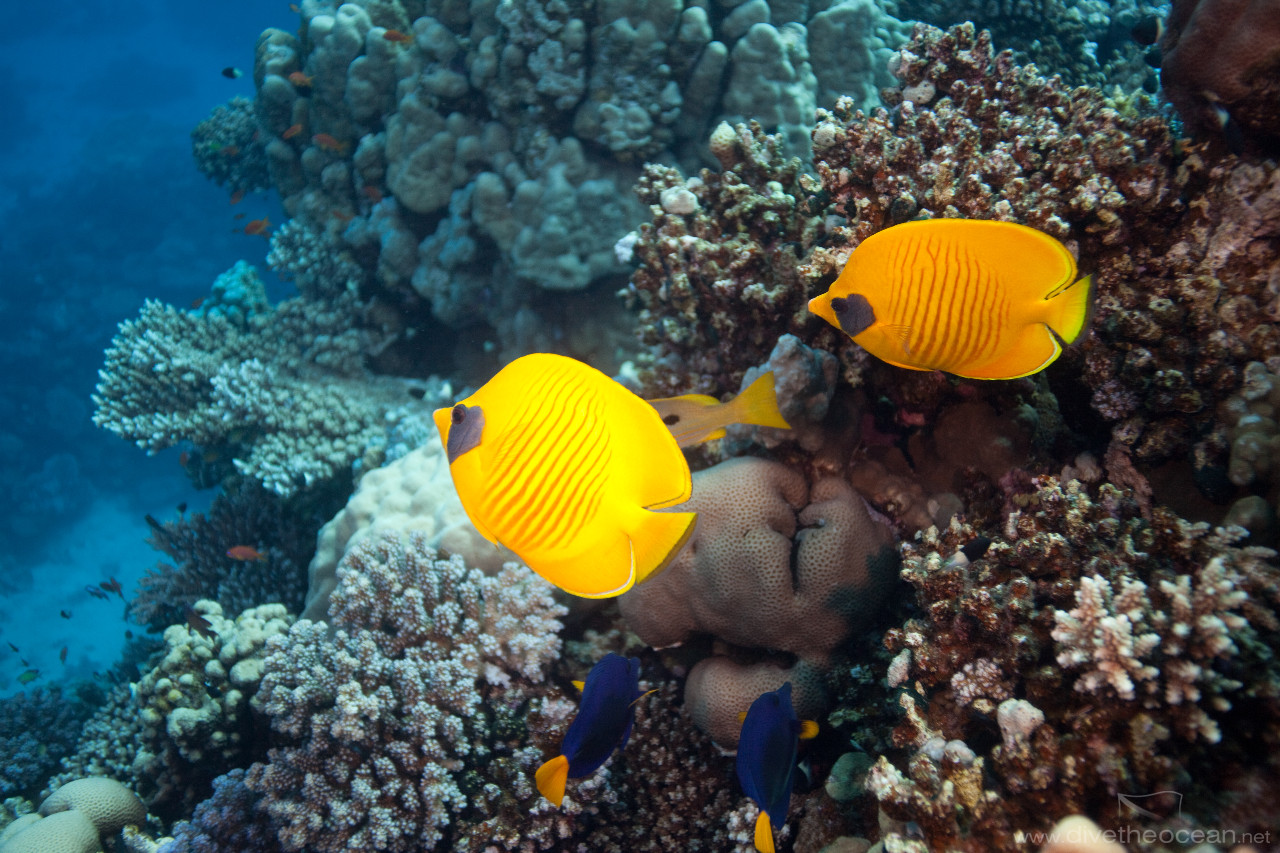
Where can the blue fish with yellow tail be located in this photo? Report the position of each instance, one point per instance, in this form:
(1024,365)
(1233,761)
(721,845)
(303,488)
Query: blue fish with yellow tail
(602,725)
(767,749)
(975,298)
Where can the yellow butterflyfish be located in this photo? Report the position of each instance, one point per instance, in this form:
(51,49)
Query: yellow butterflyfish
(695,418)
(979,299)
(565,466)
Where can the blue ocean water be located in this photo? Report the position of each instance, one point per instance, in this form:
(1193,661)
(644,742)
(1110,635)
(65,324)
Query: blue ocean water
(102,207)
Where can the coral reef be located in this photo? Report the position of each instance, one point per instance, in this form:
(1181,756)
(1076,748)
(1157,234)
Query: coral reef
(482,156)
(1223,56)
(75,818)
(1113,655)
(228,149)
(282,392)
(413,493)
(402,703)
(243,514)
(36,730)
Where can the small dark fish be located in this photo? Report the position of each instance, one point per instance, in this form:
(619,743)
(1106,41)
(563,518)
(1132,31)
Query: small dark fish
(232,73)
(12,646)
(128,635)
(95,592)
(65,614)
(973,550)
(1231,130)
(153,524)
(603,724)
(29,676)
(62,655)
(1148,31)
(417,393)
(24,662)
(182,508)
(112,585)
(766,763)
(202,626)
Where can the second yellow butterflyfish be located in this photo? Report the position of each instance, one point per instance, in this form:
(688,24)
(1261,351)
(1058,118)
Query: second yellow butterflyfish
(976,298)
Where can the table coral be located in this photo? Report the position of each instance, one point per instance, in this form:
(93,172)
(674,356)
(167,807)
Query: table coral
(1105,648)
(395,714)
(283,391)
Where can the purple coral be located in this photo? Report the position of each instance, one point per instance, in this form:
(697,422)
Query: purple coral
(393,714)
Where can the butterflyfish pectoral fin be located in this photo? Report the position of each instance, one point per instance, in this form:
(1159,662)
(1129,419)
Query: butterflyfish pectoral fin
(551,779)
(808,729)
(764,833)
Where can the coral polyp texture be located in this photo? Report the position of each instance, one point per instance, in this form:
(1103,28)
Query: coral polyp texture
(1114,655)
(282,392)
(481,157)
(396,719)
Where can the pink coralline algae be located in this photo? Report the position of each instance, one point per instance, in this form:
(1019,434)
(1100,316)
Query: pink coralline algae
(404,716)
(1112,654)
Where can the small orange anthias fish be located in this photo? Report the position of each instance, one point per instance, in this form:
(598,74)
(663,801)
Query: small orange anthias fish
(245,553)
(62,655)
(237,196)
(397,37)
(291,131)
(113,585)
(257,227)
(231,151)
(372,193)
(293,7)
(328,143)
(297,78)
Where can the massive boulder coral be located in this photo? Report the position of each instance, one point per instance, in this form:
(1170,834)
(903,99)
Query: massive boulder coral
(1107,649)
(391,718)
(283,391)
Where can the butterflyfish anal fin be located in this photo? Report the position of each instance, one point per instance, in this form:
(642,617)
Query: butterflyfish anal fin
(1034,349)
(551,779)
(656,537)
(606,570)
(764,833)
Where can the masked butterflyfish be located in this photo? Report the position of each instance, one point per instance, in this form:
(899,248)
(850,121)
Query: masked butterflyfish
(695,418)
(979,299)
(766,763)
(564,466)
(602,725)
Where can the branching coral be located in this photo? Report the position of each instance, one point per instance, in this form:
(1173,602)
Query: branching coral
(1111,652)
(283,391)
(394,714)
(36,730)
(227,147)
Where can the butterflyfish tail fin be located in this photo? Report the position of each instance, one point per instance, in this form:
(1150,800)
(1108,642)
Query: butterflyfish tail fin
(656,537)
(808,729)
(757,405)
(764,833)
(551,779)
(1069,309)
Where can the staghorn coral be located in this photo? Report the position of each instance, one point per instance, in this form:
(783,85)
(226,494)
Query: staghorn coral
(389,719)
(107,746)
(243,514)
(227,822)
(1114,655)
(282,391)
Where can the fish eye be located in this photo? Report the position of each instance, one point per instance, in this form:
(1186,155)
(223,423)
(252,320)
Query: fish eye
(671,420)
(459,414)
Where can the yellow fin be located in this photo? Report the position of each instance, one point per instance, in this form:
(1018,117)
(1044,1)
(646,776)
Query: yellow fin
(742,717)
(1033,350)
(1068,309)
(757,405)
(656,537)
(581,685)
(552,777)
(764,833)
(808,729)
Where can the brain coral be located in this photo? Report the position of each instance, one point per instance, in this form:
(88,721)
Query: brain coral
(392,717)
(771,564)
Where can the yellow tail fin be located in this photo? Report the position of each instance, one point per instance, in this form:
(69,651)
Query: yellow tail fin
(764,833)
(1069,309)
(552,777)
(757,405)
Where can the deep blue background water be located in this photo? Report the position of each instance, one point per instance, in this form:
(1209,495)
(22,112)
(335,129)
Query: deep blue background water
(101,208)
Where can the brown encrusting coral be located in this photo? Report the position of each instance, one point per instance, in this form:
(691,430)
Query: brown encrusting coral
(1088,652)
